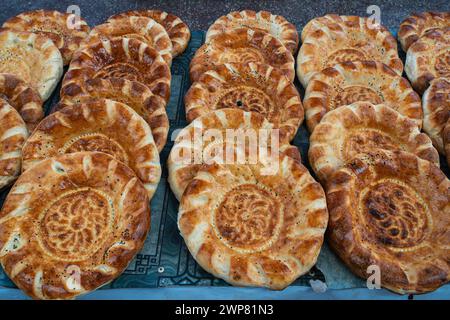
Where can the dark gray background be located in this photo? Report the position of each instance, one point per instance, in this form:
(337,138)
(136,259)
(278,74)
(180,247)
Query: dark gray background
(200,14)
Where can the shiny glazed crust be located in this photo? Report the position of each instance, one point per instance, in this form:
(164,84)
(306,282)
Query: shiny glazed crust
(82,218)
(276,25)
(392,210)
(252,228)
(102,125)
(360,128)
(349,82)
(446,138)
(242,46)
(250,87)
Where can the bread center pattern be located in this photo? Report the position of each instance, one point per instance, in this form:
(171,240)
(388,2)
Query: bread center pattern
(442,63)
(240,55)
(120,70)
(351,94)
(342,55)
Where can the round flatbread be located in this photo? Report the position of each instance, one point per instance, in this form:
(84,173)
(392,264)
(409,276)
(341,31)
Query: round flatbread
(265,21)
(428,58)
(66,30)
(134,94)
(349,82)
(353,39)
(102,125)
(446,140)
(242,46)
(23,98)
(177,30)
(32,58)
(215,133)
(360,128)
(436,110)
(251,87)
(119,58)
(251,228)
(72,224)
(13,134)
(144,29)
(413,27)
(391,210)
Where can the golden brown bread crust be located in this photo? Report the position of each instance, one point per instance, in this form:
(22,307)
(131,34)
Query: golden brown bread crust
(23,98)
(32,58)
(13,133)
(363,127)
(118,58)
(446,140)
(348,38)
(132,93)
(392,210)
(250,87)
(436,110)
(144,29)
(265,21)
(193,146)
(72,224)
(251,228)
(414,26)
(331,21)
(101,125)
(242,46)
(54,25)
(349,82)
(428,58)
(177,30)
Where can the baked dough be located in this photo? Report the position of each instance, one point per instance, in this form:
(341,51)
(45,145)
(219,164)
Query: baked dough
(363,127)
(250,87)
(436,110)
(242,46)
(72,224)
(391,209)
(350,38)
(265,21)
(141,28)
(414,26)
(428,58)
(13,133)
(446,138)
(149,106)
(102,125)
(197,143)
(177,30)
(349,82)
(119,58)
(65,29)
(23,98)
(331,21)
(31,57)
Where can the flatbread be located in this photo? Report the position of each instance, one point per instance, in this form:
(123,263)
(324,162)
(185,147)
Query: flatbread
(202,140)
(349,82)
(134,94)
(265,21)
(66,30)
(428,58)
(32,58)
(250,87)
(446,139)
(436,110)
(13,133)
(363,127)
(251,228)
(414,26)
(119,58)
(144,29)
(331,21)
(102,125)
(242,46)
(177,30)
(391,210)
(72,224)
(351,38)
(23,98)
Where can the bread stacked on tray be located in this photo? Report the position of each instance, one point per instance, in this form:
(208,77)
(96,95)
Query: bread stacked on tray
(388,200)
(80,210)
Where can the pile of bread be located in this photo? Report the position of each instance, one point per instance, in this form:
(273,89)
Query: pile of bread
(80,208)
